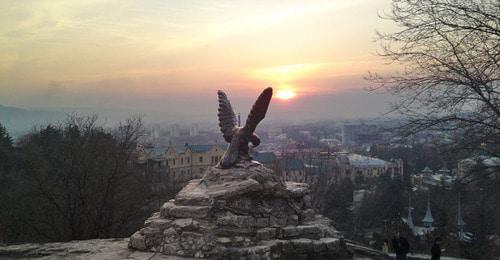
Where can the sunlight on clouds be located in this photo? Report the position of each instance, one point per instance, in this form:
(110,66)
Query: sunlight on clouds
(174,46)
(287,77)
(287,73)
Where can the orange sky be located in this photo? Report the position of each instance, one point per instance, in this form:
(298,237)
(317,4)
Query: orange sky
(74,53)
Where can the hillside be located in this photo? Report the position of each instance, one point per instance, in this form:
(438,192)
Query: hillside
(19,121)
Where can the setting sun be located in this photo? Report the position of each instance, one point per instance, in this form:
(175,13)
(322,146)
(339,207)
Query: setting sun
(285,94)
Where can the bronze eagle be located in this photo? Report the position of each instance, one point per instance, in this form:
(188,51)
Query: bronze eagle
(239,137)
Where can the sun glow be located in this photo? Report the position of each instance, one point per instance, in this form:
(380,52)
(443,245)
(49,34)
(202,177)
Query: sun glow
(285,94)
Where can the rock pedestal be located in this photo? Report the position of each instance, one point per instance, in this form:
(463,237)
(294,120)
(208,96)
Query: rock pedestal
(244,212)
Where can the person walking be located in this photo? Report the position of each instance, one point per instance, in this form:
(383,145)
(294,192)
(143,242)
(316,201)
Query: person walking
(401,246)
(385,247)
(436,249)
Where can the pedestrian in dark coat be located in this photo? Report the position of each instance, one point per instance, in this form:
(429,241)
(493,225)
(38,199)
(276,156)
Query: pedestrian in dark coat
(436,250)
(401,247)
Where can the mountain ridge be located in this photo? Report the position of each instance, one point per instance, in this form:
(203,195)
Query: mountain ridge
(19,121)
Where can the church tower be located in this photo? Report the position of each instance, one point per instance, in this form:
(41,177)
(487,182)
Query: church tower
(428,220)
(409,219)
(460,220)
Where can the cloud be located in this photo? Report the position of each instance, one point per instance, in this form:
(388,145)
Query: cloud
(170,55)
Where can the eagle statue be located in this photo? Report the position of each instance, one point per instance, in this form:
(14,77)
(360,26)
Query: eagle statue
(239,137)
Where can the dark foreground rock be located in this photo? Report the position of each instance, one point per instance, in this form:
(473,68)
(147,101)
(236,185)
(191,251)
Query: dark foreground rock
(241,213)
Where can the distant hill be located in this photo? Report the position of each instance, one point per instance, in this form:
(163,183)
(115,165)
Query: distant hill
(19,121)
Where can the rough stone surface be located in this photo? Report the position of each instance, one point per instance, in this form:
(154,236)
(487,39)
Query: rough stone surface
(103,249)
(137,241)
(234,213)
(244,212)
(96,249)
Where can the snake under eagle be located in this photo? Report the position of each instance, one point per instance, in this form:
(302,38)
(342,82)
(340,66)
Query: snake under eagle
(239,137)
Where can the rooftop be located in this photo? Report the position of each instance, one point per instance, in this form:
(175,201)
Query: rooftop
(365,161)
(157,151)
(428,215)
(197,148)
(264,157)
(426,170)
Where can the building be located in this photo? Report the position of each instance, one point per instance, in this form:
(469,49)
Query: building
(268,159)
(428,220)
(409,217)
(186,162)
(330,142)
(292,169)
(361,134)
(194,130)
(427,171)
(183,163)
(460,222)
(417,230)
(190,161)
(332,168)
(152,156)
(175,130)
(325,168)
(461,234)
(428,178)
(469,167)
(365,167)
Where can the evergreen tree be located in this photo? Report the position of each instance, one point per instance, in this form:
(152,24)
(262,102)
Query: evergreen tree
(6,149)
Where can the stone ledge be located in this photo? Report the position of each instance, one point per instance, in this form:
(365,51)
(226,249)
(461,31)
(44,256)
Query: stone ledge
(170,209)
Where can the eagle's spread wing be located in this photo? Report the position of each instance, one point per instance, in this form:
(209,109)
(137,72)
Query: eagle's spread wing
(227,118)
(258,111)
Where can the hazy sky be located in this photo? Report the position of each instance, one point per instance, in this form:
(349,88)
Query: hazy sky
(169,57)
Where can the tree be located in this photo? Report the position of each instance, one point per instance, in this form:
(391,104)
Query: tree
(6,164)
(388,201)
(6,149)
(483,201)
(450,81)
(450,55)
(74,181)
(338,202)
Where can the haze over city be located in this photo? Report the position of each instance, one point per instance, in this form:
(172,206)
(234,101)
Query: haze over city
(157,58)
(250,129)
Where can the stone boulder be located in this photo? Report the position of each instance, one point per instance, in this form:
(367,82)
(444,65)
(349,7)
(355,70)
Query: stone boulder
(244,212)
